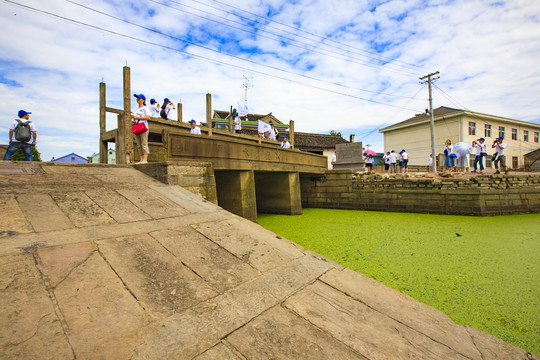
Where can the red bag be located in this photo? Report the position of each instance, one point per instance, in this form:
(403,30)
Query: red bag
(139,128)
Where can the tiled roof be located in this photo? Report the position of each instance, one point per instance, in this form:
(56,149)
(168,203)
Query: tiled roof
(220,114)
(418,118)
(307,140)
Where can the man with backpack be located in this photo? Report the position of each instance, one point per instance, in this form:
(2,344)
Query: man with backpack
(24,130)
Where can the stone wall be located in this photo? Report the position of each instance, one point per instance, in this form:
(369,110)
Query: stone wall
(197,177)
(480,195)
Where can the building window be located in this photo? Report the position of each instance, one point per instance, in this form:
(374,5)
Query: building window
(536,136)
(472,128)
(515,162)
(501,131)
(514,134)
(525,135)
(487,131)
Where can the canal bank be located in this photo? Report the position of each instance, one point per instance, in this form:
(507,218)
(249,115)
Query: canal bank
(481,271)
(446,193)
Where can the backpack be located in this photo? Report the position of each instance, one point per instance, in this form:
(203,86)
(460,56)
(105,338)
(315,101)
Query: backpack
(22,131)
(163,114)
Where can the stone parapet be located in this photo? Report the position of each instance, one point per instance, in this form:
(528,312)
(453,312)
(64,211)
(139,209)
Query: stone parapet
(480,195)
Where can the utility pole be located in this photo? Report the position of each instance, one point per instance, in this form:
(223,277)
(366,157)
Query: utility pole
(246,83)
(430,78)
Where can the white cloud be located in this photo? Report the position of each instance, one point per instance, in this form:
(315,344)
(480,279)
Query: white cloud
(486,52)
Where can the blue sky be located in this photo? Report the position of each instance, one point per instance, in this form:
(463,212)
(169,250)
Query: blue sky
(352,66)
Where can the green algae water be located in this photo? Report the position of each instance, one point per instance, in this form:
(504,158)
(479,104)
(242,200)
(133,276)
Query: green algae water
(483,272)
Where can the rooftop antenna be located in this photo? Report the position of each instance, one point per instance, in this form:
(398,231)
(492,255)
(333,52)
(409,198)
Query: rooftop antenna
(247,82)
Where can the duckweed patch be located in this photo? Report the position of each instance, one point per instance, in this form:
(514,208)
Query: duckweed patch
(483,272)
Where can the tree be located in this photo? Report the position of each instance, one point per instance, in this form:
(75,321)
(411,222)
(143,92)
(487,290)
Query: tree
(335,133)
(19,156)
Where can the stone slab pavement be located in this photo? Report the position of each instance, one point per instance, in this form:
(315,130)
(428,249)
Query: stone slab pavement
(104,262)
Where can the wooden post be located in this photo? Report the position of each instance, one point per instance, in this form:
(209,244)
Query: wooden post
(128,135)
(231,127)
(103,156)
(291,133)
(179,109)
(209,113)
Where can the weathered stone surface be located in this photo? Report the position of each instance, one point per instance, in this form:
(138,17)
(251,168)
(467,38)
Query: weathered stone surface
(192,332)
(218,352)
(57,262)
(186,199)
(280,334)
(53,218)
(371,333)
(118,207)
(217,266)
(81,210)
(157,279)
(16,222)
(104,319)
(152,203)
(251,250)
(29,326)
(494,348)
(404,309)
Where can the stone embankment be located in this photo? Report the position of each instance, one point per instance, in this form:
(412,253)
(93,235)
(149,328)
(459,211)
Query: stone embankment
(106,262)
(450,194)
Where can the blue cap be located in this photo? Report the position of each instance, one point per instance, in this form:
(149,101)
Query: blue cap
(283,136)
(388,152)
(192,121)
(403,150)
(22,113)
(140,96)
(271,123)
(500,138)
(152,101)
(482,139)
(166,99)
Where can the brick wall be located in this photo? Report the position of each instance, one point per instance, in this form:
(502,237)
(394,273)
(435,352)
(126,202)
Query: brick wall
(481,195)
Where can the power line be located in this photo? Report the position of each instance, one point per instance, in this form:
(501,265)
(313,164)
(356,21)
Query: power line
(290,41)
(296,30)
(94,27)
(233,56)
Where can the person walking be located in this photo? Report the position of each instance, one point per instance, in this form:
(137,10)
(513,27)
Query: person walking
(405,158)
(501,159)
(154,108)
(369,163)
(25,136)
(195,130)
(166,109)
(480,147)
(143,114)
(386,159)
(284,143)
(392,158)
(237,124)
(272,133)
(449,162)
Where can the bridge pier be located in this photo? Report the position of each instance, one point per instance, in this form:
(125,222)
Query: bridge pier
(278,192)
(236,192)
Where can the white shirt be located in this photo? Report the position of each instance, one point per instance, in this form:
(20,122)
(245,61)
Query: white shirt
(430,160)
(168,109)
(480,148)
(196,130)
(272,134)
(31,125)
(450,149)
(405,156)
(155,111)
(369,160)
(285,144)
(143,111)
(386,159)
(333,157)
(500,148)
(237,123)
(393,158)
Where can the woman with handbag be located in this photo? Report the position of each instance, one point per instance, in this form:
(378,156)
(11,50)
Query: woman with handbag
(139,126)
(449,161)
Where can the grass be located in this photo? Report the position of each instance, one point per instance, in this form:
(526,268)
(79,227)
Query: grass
(483,272)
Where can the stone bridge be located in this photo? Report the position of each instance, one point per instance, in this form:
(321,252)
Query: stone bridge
(250,173)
